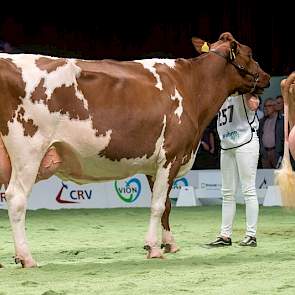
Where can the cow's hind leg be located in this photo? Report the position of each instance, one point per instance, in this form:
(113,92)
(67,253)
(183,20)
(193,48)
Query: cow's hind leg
(162,186)
(24,172)
(168,241)
(5,168)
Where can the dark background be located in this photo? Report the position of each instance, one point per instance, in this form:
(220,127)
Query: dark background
(124,31)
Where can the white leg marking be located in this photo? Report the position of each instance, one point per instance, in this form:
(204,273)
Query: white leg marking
(160,191)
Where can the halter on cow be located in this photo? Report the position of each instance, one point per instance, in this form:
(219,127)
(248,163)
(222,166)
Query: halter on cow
(70,117)
(240,68)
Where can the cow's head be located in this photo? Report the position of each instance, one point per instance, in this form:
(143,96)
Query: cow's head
(246,74)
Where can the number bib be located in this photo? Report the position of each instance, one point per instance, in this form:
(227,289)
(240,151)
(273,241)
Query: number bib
(236,123)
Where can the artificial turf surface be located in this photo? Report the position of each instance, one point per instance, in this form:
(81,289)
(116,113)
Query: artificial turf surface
(95,251)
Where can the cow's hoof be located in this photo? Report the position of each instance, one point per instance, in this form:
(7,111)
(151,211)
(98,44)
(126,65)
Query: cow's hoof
(170,248)
(153,252)
(29,264)
(26,263)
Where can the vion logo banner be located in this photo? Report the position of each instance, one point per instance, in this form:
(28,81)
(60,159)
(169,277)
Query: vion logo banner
(128,191)
(72,196)
(179,182)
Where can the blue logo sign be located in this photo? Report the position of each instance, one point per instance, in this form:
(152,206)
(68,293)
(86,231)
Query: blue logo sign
(129,192)
(178,183)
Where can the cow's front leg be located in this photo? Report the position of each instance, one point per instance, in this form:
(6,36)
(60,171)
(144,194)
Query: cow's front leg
(161,188)
(168,241)
(16,194)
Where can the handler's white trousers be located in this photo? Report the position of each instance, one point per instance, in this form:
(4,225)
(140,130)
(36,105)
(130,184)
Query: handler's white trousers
(239,164)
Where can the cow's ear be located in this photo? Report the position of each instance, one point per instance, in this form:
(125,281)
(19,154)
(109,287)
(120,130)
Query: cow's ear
(233,50)
(200,45)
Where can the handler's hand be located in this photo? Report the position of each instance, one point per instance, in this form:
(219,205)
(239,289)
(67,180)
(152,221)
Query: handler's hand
(252,101)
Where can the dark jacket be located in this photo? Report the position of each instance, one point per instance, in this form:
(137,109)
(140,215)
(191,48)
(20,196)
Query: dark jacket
(279,136)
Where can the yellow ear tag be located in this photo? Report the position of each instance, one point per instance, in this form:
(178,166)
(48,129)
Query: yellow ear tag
(205,47)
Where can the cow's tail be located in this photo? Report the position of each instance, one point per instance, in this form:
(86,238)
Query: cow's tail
(285,176)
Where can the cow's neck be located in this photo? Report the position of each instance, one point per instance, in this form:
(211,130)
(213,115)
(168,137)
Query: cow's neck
(211,87)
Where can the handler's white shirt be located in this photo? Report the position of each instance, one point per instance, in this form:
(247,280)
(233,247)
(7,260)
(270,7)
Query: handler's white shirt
(236,122)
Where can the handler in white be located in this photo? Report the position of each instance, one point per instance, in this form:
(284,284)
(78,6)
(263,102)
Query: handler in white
(237,125)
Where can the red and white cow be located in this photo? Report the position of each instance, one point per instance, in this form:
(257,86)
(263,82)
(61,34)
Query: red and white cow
(285,176)
(90,121)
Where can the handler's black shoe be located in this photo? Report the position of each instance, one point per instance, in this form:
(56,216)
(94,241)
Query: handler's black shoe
(249,241)
(220,242)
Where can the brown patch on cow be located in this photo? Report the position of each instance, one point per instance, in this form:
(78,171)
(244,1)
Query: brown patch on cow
(122,97)
(63,98)
(12,90)
(39,92)
(29,127)
(65,101)
(21,111)
(50,65)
